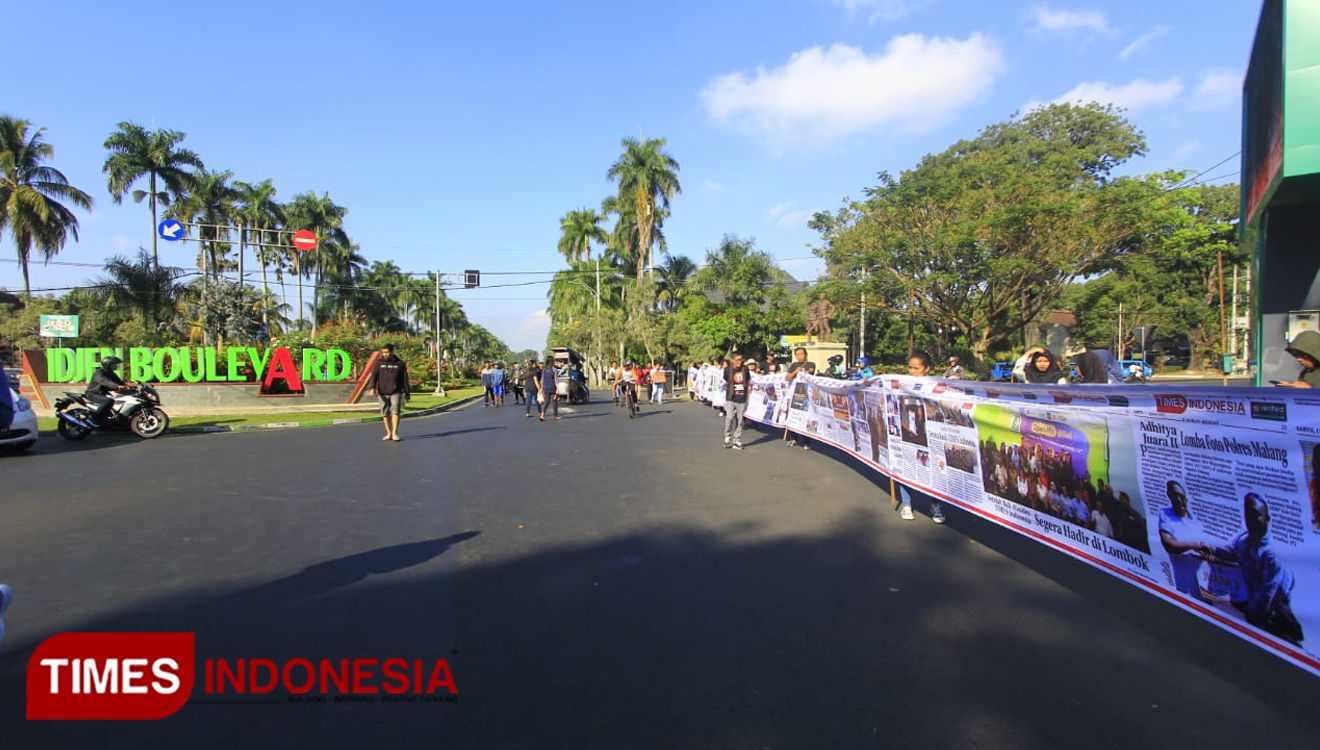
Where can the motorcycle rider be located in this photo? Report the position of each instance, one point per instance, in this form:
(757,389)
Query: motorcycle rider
(104,382)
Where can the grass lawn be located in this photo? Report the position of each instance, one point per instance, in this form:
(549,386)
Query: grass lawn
(419,402)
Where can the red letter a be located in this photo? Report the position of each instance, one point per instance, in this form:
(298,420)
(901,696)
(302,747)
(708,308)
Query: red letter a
(281,366)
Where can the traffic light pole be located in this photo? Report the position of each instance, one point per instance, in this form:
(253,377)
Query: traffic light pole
(439,350)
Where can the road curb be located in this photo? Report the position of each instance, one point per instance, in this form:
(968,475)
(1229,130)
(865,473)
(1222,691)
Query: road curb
(317,422)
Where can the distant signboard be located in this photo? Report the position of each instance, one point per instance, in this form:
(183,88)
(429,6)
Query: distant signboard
(59,326)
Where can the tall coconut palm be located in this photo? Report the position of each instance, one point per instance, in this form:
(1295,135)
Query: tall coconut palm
(259,213)
(322,216)
(212,202)
(31,194)
(136,152)
(648,178)
(578,230)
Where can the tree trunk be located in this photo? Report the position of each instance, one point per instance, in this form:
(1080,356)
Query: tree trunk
(155,255)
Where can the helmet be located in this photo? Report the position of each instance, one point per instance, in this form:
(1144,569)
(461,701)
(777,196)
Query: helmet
(110,363)
(862,360)
(627,364)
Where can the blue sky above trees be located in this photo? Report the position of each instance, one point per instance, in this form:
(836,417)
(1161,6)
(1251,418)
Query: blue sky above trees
(458,135)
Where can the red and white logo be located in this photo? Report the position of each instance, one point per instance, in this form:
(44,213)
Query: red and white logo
(110,676)
(1170,403)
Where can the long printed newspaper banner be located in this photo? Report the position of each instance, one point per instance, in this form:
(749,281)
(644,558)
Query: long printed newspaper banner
(1207,497)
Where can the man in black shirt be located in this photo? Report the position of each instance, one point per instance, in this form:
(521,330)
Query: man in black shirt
(389,381)
(737,381)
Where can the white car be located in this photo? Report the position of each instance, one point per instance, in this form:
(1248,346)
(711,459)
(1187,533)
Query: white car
(21,432)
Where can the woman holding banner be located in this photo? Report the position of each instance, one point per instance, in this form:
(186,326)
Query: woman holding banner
(919,365)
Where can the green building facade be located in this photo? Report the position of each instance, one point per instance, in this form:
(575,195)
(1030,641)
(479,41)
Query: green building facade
(1281,180)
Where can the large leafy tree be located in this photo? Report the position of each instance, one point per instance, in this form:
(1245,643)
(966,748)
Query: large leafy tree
(648,179)
(735,282)
(1172,286)
(578,229)
(33,195)
(136,152)
(986,235)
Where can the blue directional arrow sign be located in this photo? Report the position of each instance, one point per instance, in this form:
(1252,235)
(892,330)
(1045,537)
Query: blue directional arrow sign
(171,230)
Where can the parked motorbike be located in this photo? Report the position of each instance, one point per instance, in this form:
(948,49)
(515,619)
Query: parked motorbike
(136,408)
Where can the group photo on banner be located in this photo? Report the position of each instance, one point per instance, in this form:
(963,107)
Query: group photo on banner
(1206,497)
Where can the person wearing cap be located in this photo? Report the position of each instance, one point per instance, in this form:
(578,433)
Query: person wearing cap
(1305,347)
(753,367)
(954,371)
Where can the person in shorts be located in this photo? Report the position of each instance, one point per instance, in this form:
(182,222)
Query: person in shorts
(389,381)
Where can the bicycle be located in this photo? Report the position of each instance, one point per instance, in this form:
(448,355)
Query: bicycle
(630,399)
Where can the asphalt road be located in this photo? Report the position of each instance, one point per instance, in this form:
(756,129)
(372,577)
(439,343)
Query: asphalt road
(601,582)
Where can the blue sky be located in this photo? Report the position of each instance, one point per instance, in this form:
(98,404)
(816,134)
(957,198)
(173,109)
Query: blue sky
(457,135)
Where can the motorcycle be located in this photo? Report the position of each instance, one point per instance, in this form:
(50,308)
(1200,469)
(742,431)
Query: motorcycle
(136,408)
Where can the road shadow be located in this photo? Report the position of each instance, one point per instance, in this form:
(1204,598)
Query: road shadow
(431,435)
(652,412)
(674,637)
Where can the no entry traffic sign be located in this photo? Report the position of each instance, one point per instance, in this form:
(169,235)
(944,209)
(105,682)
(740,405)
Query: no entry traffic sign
(304,240)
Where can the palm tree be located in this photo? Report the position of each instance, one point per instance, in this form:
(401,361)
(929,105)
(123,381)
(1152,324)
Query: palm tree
(136,152)
(737,271)
(673,286)
(30,195)
(648,178)
(579,228)
(259,213)
(142,288)
(325,218)
(212,202)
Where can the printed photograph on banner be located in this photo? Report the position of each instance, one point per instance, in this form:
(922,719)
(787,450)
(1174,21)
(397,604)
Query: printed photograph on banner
(875,423)
(912,419)
(861,430)
(1065,465)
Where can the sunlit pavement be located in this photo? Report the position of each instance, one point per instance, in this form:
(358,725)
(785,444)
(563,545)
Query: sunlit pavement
(600,582)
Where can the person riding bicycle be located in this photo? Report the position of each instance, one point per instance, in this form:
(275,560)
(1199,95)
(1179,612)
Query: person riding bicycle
(104,382)
(625,383)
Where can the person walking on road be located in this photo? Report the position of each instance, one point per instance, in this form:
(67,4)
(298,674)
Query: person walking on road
(532,384)
(737,380)
(389,381)
(659,378)
(547,390)
(919,366)
(498,377)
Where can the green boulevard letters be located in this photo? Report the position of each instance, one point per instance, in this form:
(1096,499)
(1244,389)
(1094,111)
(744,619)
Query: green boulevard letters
(198,364)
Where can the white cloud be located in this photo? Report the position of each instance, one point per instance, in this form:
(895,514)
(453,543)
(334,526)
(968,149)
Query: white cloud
(531,332)
(1220,88)
(1047,19)
(1131,96)
(711,186)
(1187,149)
(883,10)
(1143,40)
(121,242)
(788,219)
(821,95)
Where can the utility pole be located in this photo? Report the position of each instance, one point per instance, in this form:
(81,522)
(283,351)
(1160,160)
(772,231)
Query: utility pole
(600,363)
(861,336)
(1223,330)
(435,334)
(1122,340)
